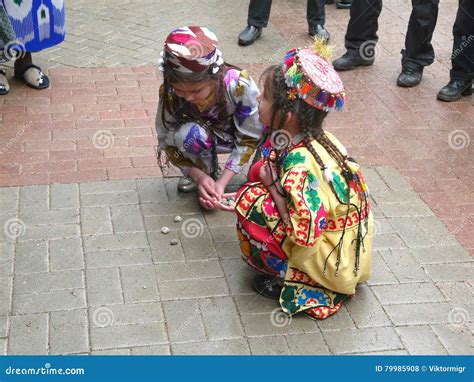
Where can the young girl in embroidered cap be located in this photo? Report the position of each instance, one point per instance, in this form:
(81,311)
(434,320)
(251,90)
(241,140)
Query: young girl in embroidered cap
(304,220)
(206,107)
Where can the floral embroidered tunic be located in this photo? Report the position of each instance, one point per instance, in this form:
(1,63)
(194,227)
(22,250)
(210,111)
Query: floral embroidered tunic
(236,128)
(323,264)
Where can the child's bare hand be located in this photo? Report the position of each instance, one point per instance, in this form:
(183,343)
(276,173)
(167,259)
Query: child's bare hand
(207,188)
(268,174)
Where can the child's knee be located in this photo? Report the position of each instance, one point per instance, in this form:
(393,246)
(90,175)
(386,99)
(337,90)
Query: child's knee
(192,138)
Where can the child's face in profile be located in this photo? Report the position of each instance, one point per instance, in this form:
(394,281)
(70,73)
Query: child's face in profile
(193,92)
(265,107)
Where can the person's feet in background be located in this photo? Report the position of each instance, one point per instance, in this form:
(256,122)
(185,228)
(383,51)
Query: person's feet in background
(410,77)
(249,35)
(454,90)
(350,60)
(319,31)
(344,4)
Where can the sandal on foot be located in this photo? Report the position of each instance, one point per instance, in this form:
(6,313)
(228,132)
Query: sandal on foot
(4,87)
(33,77)
(267,286)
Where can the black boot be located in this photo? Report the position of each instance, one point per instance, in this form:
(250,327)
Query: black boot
(344,4)
(249,35)
(267,286)
(319,31)
(455,90)
(409,77)
(350,60)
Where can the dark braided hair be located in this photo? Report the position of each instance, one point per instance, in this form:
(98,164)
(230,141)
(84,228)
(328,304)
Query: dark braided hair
(310,120)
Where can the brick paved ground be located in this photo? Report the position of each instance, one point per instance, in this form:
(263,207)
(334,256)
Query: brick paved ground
(84,268)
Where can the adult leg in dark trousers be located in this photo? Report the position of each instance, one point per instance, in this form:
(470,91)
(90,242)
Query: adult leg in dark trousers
(259,13)
(418,51)
(462,58)
(361,35)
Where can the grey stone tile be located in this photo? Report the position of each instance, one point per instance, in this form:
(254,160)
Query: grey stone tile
(107,187)
(189,270)
(7,251)
(230,250)
(362,340)
(161,249)
(33,196)
(29,335)
(139,283)
(65,254)
(404,266)
(450,272)
(103,286)
(380,273)
(387,241)
(31,257)
(420,340)
(307,344)
(365,309)
(109,199)
(53,217)
(457,292)
(111,352)
(182,206)
(183,320)
(96,221)
(269,346)
(151,190)
(9,197)
(220,218)
(3,326)
(27,303)
(410,233)
(239,276)
(6,268)
(5,295)
(134,256)
(46,282)
(200,248)
(193,288)
(340,320)
(408,293)
(440,254)
(156,223)
(374,180)
(221,319)
(3,346)
(392,178)
(457,340)
(436,229)
(50,232)
(64,196)
(223,234)
(404,210)
(255,303)
(223,347)
(116,336)
(152,350)
(418,314)
(127,218)
(115,242)
(277,322)
(128,314)
(68,332)
(396,196)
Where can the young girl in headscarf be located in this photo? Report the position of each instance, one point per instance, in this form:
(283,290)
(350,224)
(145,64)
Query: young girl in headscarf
(304,219)
(206,107)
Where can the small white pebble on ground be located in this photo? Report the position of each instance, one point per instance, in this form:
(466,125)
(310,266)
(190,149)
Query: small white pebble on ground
(165,230)
(174,242)
(177,219)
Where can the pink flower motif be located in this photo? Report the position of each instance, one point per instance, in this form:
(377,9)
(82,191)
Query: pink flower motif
(269,206)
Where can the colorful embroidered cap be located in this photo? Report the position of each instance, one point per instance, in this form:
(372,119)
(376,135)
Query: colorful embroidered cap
(313,79)
(191,49)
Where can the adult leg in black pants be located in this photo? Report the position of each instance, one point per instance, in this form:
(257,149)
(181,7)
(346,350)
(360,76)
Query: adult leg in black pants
(361,35)
(462,58)
(418,51)
(259,13)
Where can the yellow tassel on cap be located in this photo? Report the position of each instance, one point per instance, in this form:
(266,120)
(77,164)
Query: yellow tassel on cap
(322,48)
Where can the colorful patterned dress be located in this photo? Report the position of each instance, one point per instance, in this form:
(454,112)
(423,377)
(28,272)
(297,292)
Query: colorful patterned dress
(317,253)
(38,24)
(234,128)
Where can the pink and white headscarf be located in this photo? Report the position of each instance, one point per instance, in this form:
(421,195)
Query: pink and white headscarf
(191,49)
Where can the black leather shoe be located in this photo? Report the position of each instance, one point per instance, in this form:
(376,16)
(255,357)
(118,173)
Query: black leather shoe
(249,35)
(267,286)
(409,77)
(319,31)
(350,60)
(455,90)
(344,4)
